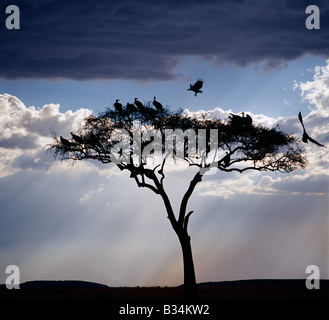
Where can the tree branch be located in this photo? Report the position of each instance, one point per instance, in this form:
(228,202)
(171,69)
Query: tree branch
(186,220)
(182,211)
(143,184)
(257,146)
(159,187)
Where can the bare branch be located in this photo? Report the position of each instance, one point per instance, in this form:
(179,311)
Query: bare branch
(186,220)
(143,184)
(182,211)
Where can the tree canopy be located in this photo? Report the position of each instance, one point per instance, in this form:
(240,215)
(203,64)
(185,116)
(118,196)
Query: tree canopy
(129,139)
(142,139)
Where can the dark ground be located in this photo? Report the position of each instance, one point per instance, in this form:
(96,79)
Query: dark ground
(227,290)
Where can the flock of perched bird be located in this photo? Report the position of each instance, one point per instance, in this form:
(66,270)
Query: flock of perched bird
(139,106)
(240,121)
(91,140)
(235,120)
(136,106)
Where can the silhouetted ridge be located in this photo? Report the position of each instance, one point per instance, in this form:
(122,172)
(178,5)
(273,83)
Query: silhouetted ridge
(53,284)
(262,283)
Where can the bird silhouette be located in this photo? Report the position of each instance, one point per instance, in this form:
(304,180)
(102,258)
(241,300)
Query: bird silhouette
(77,138)
(131,107)
(139,105)
(306,138)
(118,106)
(227,160)
(240,121)
(93,139)
(65,142)
(157,105)
(247,120)
(236,120)
(196,87)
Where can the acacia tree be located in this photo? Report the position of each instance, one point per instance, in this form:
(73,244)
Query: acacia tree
(142,140)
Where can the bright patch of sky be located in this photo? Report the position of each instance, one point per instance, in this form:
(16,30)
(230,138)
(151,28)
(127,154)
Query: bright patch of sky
(78,222)
(251,88)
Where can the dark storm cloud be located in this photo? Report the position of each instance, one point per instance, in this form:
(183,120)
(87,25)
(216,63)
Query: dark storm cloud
(145,40)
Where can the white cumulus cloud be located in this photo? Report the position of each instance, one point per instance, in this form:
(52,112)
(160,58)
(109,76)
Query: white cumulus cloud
(316,91)
(24,132)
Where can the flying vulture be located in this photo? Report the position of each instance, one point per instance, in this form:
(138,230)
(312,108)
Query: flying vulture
(196,87)
(306,138)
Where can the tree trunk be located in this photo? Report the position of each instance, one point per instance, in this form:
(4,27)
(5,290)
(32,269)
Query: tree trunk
(190,287)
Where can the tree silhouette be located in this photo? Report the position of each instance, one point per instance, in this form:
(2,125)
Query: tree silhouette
(142,140)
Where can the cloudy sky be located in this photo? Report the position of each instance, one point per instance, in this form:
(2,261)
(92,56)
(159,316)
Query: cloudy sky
(89,221)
